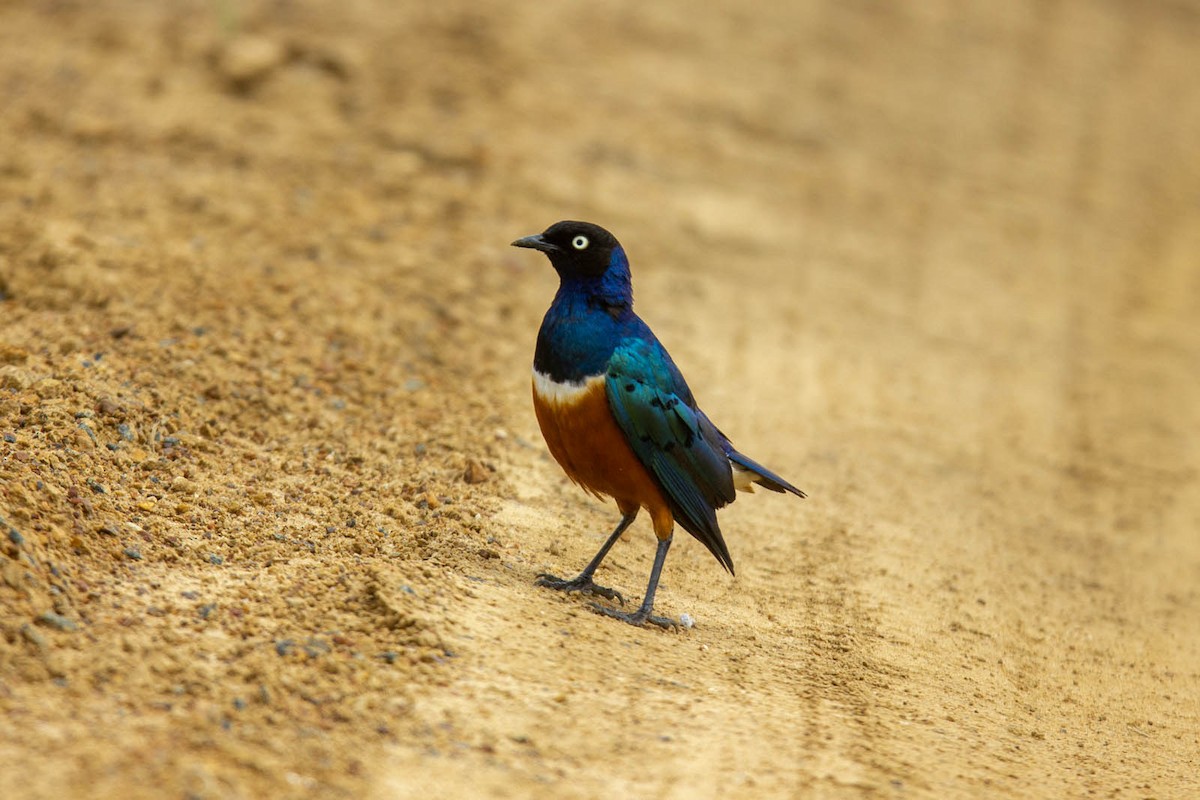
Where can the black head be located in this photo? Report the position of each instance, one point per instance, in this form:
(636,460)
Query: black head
(576,249)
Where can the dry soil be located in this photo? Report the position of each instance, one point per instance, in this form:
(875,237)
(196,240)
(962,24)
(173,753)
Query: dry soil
(273,495)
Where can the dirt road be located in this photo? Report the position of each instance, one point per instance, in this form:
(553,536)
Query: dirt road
(273,495)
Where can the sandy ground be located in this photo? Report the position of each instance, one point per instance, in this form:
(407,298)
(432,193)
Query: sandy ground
(273,496)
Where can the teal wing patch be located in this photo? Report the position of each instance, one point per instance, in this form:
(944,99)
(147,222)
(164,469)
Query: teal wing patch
(678,445)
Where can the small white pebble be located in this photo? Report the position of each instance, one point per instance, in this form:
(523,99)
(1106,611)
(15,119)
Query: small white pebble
(686,621)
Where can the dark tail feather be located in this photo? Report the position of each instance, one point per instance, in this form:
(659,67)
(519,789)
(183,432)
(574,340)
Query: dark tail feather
(767,479)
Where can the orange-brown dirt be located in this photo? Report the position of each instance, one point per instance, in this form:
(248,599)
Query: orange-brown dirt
(273,494)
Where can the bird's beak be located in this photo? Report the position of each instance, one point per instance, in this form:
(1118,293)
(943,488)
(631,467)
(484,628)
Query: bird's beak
(535,242)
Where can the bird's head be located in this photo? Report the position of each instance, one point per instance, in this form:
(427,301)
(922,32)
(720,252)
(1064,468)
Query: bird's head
(578,250)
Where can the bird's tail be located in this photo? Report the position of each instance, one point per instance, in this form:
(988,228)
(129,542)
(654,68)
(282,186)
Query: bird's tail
(752,472)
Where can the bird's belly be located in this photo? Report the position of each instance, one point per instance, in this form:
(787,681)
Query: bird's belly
(585,440)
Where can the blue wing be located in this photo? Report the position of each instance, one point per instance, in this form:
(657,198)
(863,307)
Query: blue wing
(684,452)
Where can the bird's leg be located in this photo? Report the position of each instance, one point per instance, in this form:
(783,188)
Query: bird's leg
(643,615)
(583,581)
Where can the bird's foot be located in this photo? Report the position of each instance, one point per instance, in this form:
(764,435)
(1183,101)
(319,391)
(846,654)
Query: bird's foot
(638,618)
(582,584)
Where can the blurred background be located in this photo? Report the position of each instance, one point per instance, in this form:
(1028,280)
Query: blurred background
(275,495)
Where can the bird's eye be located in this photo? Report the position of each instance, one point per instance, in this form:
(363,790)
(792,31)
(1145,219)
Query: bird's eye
(580,243)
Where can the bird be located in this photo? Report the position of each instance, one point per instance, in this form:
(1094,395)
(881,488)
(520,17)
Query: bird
(619,418)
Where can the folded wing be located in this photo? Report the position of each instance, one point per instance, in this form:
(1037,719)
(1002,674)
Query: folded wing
(682,450)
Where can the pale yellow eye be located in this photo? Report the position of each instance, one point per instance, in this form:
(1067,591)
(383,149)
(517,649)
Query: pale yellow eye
(579,242)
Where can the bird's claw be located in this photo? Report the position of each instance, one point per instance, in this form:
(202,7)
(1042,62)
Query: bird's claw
(638,618)
(579,584)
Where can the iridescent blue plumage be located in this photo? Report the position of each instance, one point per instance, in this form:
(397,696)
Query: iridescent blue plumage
(589,317)
(590,332)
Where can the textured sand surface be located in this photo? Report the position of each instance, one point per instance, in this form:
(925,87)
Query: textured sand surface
(272,494)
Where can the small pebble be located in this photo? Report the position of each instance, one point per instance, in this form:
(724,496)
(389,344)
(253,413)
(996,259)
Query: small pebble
(8,437)
(247,60)
(686,621)
(133,553)
(13,377)
(475,472)
(215,559)
(15,537)
(33,636)
(58,621)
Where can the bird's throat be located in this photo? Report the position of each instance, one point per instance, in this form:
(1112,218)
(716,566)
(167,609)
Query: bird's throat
(564,393)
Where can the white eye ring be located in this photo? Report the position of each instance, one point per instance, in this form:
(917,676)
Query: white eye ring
(580,242)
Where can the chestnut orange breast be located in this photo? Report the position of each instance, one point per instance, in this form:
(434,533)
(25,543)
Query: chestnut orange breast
(584,438)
